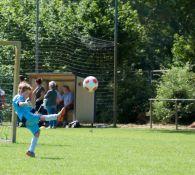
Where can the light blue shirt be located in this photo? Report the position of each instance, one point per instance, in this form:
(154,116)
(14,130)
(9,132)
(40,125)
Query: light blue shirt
(60,96)
(21,111)
(68,98)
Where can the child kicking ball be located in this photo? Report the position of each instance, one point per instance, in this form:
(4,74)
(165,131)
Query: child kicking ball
(24,110)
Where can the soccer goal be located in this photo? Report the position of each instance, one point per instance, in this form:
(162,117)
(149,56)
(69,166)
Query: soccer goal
(9,79)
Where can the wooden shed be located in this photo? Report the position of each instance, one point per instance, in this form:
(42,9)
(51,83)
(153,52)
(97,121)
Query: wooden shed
(84,102)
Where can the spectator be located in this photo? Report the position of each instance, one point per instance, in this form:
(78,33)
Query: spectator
(60,93)
(2,103)
(38,94)
(50,101)
(68,99)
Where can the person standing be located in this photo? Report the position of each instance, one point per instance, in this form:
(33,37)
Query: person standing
(50,102)
(38,94)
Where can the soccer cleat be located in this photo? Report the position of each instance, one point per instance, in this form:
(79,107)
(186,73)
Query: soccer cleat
(61,113)
(30,154)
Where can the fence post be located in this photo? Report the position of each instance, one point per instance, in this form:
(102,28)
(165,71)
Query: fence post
(15,84)
(150,113)
(176,114)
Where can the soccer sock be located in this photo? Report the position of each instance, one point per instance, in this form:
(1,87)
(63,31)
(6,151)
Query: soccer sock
(33,144)
(51,117)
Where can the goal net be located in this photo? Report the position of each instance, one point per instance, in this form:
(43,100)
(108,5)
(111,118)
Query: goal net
(81,55)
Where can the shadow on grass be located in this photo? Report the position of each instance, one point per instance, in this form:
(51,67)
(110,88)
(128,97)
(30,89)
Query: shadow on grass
(96,126)
(44,144)
(51,158)
(179,131)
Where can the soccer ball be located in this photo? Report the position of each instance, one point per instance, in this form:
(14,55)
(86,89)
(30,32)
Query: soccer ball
(90,83)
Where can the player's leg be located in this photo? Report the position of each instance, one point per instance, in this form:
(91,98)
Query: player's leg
(34,128)
(52,116)
(31,149)
(32,125)
(61,118)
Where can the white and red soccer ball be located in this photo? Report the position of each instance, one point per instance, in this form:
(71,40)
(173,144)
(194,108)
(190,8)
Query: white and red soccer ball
(90,83)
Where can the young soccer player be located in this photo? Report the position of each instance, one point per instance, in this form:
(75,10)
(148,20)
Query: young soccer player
(23,109)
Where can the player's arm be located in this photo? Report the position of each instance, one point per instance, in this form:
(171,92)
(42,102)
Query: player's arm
(24,103)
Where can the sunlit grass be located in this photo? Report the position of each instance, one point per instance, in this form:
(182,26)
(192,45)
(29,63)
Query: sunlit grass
(102,151)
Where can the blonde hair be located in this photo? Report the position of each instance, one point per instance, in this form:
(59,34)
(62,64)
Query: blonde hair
(23,87)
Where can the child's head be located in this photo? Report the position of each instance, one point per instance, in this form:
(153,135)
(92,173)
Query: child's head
(24,89)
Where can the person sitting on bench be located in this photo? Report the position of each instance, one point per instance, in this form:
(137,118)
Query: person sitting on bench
(68,99)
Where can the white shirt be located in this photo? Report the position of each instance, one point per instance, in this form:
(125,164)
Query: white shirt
(2,92)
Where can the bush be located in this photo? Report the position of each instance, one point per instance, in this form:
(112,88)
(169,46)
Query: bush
(133,93)
(178,82)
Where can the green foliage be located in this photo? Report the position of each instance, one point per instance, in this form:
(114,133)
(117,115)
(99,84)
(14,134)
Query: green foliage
(183,50)
(6,71)
(152,35)
(178,82)
(6,114)
(134,91)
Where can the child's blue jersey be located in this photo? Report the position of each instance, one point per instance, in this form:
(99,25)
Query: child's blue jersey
(21,111)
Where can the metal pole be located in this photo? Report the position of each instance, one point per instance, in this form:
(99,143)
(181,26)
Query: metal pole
(37,38)
(115,63)
(15,84)
(150,77)
(176,115)
(150,113)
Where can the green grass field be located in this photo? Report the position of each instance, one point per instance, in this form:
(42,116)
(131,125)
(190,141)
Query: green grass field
(103,152)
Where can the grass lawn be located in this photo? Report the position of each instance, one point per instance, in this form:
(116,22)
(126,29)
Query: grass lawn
(103,152)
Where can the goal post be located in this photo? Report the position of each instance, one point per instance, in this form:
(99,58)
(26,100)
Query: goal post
(17,46)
